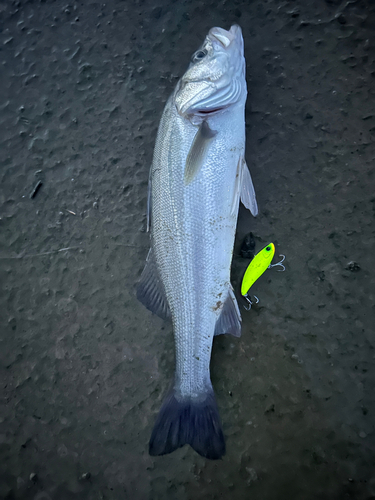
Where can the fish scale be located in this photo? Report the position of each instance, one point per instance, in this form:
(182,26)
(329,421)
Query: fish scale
(198,175)
(189,284)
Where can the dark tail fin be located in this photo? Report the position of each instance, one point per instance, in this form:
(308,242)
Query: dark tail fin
(188,422)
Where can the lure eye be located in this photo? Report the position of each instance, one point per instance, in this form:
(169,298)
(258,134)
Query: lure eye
(199,55)
(268,249)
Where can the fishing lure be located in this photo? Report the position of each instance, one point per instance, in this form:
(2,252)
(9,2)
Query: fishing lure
(256,268)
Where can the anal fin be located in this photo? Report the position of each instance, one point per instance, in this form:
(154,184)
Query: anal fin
(230,318)
(150,289)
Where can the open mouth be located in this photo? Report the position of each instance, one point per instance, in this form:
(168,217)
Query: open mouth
(209,111)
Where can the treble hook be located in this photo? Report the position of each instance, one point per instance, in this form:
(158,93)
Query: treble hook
(279,263)
(248,298)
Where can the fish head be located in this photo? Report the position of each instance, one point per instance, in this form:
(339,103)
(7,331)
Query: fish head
(215,78)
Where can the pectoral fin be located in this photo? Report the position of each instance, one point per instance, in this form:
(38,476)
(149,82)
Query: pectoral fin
(198,151)
(150,290)
(248,198)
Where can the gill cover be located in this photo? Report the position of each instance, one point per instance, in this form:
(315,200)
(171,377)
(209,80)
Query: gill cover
(215,78)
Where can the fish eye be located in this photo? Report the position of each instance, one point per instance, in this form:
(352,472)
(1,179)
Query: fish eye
(199,55)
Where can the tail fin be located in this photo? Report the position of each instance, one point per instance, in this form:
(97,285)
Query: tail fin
(188,422)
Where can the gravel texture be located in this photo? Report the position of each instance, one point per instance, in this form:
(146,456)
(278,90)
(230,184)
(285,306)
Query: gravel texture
(83,366)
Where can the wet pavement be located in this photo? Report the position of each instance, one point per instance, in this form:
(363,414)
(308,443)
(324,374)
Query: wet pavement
(83,366)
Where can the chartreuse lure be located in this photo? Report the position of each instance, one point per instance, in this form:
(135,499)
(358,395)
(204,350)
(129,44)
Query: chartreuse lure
(256,268)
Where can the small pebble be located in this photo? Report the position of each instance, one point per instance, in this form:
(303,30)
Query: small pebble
(252,475)
(353,266)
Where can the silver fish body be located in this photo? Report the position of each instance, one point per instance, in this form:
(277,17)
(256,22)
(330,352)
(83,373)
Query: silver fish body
(197,178)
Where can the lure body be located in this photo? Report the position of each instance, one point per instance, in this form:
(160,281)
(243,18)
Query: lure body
(257,266)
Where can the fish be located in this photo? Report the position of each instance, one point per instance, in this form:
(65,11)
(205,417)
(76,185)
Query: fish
(197,178)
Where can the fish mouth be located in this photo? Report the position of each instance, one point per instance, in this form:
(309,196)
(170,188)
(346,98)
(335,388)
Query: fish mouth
(209,112)
(223,36)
